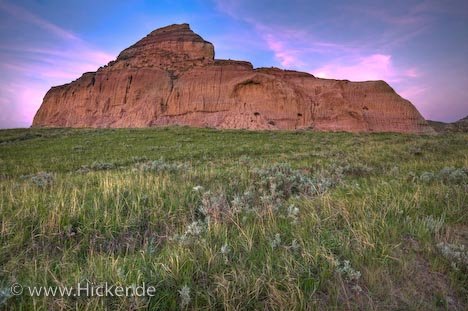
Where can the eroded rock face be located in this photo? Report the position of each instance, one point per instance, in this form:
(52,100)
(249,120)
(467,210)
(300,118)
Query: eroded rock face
(170,77)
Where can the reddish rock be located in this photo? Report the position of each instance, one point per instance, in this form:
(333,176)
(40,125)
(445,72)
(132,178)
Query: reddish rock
(171,77)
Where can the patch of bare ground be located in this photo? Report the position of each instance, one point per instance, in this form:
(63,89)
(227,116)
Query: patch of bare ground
(412,284)
(417,284)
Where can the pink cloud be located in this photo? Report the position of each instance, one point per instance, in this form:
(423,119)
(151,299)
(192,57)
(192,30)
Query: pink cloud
(39,68)
(64,66)
(23,95)
(293,48)
(19,102)
(412,73)
(371,67)
(364,68)
(413,93)
(286,56)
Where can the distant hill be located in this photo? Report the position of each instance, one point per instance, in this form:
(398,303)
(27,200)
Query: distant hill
(460,126)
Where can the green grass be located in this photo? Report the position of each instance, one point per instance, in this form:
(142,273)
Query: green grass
(374,212)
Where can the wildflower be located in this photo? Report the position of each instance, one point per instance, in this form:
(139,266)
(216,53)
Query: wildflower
(276,241)
(151,247)
(346,270)
(194,229)
(225,249)
(293,213)
(184,294)
(120,273)
(357,288)
(5,294)
(295,246)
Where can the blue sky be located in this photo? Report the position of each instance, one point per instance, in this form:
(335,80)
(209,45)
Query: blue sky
(419,47)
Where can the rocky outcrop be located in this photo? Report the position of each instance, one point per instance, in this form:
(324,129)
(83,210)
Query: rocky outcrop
(171,77)
(460,126)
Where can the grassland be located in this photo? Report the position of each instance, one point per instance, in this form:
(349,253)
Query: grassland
(235,219)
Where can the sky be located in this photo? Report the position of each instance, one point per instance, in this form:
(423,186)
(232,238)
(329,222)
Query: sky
(420,47)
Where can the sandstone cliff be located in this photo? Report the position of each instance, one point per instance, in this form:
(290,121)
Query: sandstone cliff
(171,77)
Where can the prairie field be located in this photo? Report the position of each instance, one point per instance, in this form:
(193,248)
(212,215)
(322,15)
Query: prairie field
(234,220)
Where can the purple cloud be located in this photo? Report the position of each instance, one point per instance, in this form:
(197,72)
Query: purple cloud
(362,68)
(30,71)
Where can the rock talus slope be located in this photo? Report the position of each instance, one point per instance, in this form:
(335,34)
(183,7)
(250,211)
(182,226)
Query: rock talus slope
(171,77)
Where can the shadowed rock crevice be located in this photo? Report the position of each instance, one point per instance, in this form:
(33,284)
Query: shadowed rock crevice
(171,77)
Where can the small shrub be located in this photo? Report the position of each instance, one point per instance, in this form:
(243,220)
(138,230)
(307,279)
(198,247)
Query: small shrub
(434,225)
(5,294)
(293,214)
(198,188)
(42,179)
(347,271)
(83,169)
(214,206)
(245,160)
(417,151)
(276,241)
(225,251)
(195,228)
(427,177)
(295,246)
(138,159)
(78,148)
(447,175)
(184,294)
(162,166)
(244,202)
(191,233)
(456,254)
(280,181)
(454,175)
(102,166)
(358,170)
(394,171)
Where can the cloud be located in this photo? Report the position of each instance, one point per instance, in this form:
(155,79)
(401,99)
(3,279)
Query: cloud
(286,56)
(63,65)
(302,49)
(24,15)
(413,92)
(362,68)
(30,69)
(19,102)
(354,42)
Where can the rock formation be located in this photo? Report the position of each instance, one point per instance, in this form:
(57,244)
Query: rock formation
(460,126)
(171,77)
